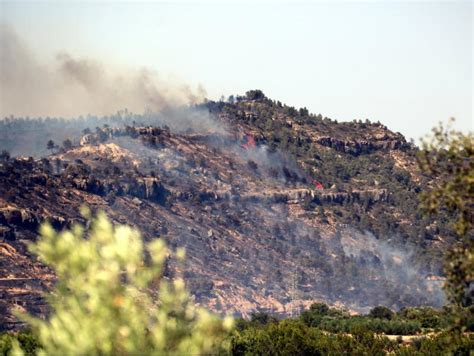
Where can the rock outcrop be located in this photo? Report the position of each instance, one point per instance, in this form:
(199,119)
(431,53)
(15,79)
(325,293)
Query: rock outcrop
(361,147)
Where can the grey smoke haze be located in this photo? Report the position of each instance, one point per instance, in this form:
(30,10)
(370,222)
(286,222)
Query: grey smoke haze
(273,160)
(185,119)
(73,88)
(69,86)
(393,263)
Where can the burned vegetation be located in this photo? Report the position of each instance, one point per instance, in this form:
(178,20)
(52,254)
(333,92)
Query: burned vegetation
(276,207)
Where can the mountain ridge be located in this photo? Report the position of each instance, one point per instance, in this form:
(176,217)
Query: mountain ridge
(237,189)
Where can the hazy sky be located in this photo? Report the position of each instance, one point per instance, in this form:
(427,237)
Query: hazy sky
(406,64)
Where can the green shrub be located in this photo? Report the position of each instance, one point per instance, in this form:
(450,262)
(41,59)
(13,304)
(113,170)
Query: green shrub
(379,326)
(27,341)
(318,312)
(319,308)
(447,343)
(103,301)
(292,337)
(381,312)
(429,318)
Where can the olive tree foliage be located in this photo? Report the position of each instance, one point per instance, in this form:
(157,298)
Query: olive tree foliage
(103,302)
(448,156)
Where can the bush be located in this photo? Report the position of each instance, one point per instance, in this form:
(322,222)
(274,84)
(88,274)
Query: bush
(103,304)
(381,312)
(427,316)
(379,326)
(447,343)
(27,341)
(319,308)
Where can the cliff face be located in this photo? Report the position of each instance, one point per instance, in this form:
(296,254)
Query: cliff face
(270,222)
(363,146)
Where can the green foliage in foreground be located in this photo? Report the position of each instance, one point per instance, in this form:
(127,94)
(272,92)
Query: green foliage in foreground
(28,342)
(103,304)
(449,157)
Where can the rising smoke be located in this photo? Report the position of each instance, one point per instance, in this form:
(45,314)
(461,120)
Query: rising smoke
(69,86)
(396,265)
(88,93)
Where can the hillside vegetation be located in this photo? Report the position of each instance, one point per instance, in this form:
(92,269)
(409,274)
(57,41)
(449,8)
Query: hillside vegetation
(276,207)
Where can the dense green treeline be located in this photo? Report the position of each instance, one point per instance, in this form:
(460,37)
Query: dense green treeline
(292,337)
(322,330)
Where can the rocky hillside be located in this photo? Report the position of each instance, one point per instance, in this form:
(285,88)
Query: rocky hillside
(275,206)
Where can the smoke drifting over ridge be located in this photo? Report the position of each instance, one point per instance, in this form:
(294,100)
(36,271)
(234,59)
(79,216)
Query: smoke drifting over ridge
(69,86)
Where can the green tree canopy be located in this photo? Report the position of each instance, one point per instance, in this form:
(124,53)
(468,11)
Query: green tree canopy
(448,157)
